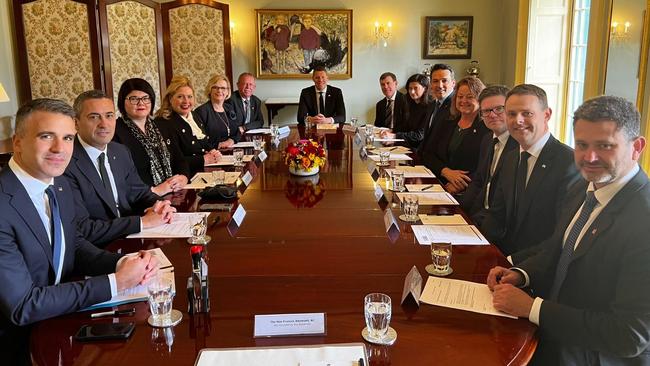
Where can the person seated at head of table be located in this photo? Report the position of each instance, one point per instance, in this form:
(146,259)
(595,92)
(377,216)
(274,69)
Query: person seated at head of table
(160,166)
(459,138)
(181,126)
(220,118)
(321,103)
(419,106)
(43,259)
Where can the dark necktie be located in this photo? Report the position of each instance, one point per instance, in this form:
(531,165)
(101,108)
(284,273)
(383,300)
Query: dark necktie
(321,103)
(522,172)
(491,163)
(57,235)
(388,121)
(105,179)
(572,238)
(247,113)
(436,106)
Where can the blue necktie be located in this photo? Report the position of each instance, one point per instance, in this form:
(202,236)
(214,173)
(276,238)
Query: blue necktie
(57,235)
(572,238)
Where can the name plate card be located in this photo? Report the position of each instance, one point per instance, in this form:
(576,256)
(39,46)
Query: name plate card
(247,178)
(262,155)
(284,130)
(357,138)
(412,286)
(239,214)
(275,325)
(390,222)
(349,128)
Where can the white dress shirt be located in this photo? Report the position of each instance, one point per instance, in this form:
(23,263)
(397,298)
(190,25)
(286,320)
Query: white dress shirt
(498,150)
(196,130)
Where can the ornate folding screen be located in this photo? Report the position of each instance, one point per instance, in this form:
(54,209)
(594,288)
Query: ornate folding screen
(130,33)
(198,45)
(60,57)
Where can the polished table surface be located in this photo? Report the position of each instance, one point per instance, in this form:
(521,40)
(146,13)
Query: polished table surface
(314,244)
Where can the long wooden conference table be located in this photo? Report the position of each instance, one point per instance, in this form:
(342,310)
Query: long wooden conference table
(304,245)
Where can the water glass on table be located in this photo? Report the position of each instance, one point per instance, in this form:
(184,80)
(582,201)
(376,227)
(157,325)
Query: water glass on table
(219,177)
(160,297)
(377,311)
(398,180)
(441,258)
(274,130)
(354,121)
(410,205)
(239,156)
(257,142)
(384,158)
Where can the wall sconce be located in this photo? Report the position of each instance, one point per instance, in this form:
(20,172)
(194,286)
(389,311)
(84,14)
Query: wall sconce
(3,95)
(382,33)
(232,32)
(620,32)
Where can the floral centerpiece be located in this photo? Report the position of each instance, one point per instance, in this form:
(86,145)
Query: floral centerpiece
(304,157)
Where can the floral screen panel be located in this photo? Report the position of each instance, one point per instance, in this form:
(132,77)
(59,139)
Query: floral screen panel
(58,48)
(197,45)
(133,45)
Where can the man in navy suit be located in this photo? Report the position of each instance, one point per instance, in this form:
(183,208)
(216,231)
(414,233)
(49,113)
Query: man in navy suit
(40,248)
(443,81)
(591,278)
(479,194)
(248,107)
(321,103)
(533,180)
(109,191)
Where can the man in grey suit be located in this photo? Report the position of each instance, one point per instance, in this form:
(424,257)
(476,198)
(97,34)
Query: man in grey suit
(248,107)
(40,249)
(591,279)
(533,180)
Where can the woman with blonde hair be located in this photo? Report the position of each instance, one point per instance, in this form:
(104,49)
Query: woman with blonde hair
(181,125)
(459,138)
(220,119)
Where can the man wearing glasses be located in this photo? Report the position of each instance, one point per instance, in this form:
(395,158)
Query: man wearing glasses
(479,194)
(534,178)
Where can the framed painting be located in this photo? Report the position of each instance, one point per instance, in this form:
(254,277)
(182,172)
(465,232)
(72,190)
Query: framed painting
(291,43)
(447,37)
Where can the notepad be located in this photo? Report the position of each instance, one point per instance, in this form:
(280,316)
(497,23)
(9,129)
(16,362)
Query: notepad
(180,227)
(424,188)
(454,234)
(203,180)
(418,171)
(442,219)
(229,160)
(393,157)
(430,198)
(309,355)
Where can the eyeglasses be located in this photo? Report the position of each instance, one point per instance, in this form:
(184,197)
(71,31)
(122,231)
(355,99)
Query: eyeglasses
(214,87)
(136,100)
(498,110)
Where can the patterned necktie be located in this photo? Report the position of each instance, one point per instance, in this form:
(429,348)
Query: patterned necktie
(436,107)
(56,233)
(492,167)
(522,173)
(105,179)
(569,245)
(388,121)
(321,103)
(247,112)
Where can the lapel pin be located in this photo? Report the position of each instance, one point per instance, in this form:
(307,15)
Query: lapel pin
(593,232)
(474,130)
(169,142)
(183,130)
(543,165)
(114,157)
(60,189)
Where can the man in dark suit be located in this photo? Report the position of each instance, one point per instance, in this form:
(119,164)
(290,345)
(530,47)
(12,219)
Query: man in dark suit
(442,87)
(478,196)
(391,111)
(248,107)
(321,103)
(533,180)
(110,194)
(40,249)
(591,279)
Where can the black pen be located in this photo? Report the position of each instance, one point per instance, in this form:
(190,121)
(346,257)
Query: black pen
(113,313)
(426,187)
(360,362)
(204,181)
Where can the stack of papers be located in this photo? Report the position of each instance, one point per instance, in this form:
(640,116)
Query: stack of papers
(180,227)
(230,160)
(244,144)
(259,130)
(430,198)
(380,139)
(418,171)
(424,188)
(203,180)
(454,234)
(442,219)
(393,157)
(347,354)
(394,149)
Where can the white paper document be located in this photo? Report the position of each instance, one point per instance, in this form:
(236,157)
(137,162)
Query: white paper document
(318,355)
(430,198)
(244,144)
(203,180)
(454,234)
(442,219)
(259,130)
(461,295)
(418,171)
(424,188)
(230,160)
(134,294)
(393,157)
(180,227)
(394,149)
(273,325)
(379,139)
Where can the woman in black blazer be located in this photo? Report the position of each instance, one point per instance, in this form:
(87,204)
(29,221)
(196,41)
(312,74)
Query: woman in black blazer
(459,138)
(159,165)
(220,118)
(180,125)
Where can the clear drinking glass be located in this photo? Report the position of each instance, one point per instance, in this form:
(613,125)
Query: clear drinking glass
(370,130)
(257,142)
(378,311)
(354,121)
(239,156)
(161,297)
(274,130)
(410,207)
(384,158)
(218,177)
(441,257)
(398,180)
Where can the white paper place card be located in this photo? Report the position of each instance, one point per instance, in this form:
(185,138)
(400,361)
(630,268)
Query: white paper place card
(412,286)
(431,198)
(454,234)
(357,138)
(262,155)
(424,188)
(289,325)
(247,178)
(379,193)
(284,130)
(389,221)
(442,219)
(238,215)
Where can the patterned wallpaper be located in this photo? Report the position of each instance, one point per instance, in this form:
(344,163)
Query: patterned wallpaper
(197,49)
(133,47)
(58,48)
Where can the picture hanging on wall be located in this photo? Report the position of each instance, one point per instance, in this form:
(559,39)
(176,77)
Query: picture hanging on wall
(291,43)
(447,37)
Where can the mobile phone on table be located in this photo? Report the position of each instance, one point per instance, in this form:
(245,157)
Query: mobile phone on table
(103,331)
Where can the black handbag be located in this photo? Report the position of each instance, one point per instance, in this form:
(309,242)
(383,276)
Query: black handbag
(219,193)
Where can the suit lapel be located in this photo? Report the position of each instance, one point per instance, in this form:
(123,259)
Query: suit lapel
(510,144)
(87,168)
(542,167)
(119,176)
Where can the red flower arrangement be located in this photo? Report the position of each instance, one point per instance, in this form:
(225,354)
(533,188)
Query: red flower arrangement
(304,155)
